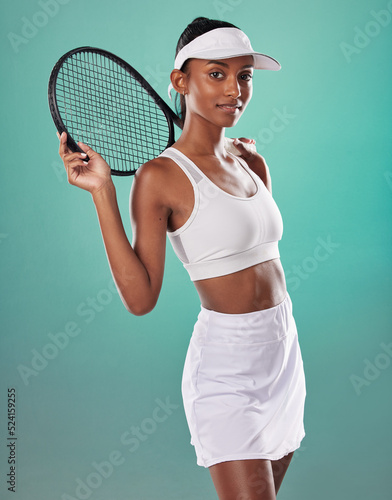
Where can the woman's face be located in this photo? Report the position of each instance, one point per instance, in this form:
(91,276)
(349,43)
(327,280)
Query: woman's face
(218,91)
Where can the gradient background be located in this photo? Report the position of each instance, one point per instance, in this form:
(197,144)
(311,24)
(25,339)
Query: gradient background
(330,162)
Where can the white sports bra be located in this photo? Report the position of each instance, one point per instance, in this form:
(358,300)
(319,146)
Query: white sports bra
(224,233)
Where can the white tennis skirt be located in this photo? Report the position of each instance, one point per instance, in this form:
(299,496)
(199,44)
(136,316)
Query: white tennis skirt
(243,385)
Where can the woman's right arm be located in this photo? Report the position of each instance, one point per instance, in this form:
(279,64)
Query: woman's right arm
(137,270)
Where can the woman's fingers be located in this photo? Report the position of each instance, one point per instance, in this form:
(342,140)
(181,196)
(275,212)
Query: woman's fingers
(89,174)
(75,167)
(80,159)
(71,157)
(63,148)
(66,155)
(245,146)
(90,152)
(245,139)
(73,162)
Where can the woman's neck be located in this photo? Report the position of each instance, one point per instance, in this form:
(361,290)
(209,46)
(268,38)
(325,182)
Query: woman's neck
(200,138)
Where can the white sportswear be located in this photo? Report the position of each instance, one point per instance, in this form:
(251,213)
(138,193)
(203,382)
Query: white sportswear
(224,233)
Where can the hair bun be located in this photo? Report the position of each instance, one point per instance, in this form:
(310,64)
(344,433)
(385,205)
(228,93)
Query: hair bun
(198,19)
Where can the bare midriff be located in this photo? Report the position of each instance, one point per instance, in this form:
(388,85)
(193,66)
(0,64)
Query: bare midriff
(252,289)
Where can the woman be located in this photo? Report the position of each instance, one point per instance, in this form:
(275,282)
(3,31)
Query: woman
(243,384)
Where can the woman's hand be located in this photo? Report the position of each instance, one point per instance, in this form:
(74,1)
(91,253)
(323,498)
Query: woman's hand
(255,161)
(92,175)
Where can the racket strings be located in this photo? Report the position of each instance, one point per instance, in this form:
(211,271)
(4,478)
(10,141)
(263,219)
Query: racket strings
(104,107)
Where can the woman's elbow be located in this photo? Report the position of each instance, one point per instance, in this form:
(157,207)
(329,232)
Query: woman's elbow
(140,308)
(138,303)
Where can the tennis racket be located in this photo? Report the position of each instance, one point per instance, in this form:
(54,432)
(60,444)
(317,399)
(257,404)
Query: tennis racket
(100,100)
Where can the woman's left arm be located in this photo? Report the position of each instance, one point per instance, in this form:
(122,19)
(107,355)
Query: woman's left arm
(255,161)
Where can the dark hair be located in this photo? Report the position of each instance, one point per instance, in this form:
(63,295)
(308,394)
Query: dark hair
(197,27)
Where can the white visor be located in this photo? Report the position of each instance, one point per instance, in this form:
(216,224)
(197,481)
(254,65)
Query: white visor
(222,43)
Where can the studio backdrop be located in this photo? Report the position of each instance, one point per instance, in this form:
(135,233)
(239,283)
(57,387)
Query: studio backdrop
(90,395)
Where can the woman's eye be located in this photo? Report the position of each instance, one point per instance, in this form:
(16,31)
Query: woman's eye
(247,77)
(216,74)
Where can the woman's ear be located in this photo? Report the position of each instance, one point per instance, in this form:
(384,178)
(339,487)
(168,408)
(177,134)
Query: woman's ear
(179,81)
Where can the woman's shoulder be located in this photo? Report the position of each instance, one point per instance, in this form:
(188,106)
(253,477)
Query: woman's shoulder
(154,172)
(155,168)
(161,179)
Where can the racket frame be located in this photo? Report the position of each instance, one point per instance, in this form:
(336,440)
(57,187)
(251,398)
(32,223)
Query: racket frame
(170,116)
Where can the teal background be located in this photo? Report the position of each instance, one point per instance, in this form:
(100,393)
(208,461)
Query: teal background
(330,162)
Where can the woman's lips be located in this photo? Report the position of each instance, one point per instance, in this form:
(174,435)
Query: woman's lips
(229,108)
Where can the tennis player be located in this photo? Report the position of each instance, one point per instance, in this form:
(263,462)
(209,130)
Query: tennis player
(243,382)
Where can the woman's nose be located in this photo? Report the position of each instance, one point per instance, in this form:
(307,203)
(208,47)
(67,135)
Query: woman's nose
(233,88)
